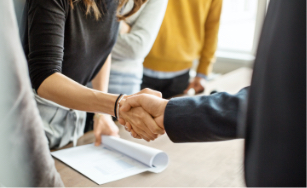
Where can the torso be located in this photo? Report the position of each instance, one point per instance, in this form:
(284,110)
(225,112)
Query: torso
(79,44)
(88,42)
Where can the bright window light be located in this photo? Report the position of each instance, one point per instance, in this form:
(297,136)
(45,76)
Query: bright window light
(237,27)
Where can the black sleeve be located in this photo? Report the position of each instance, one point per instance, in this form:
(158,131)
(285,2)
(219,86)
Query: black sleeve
(46,24)
(203,118)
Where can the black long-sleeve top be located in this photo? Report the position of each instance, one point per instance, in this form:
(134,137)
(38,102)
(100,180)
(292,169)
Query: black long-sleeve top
(61,39)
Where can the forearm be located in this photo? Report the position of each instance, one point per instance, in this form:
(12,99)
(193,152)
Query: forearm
(101,80)
(137,43)
(203,118)
(66,92)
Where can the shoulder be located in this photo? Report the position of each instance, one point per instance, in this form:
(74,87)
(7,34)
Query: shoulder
(149,2)
(151,6)
(53,5)
(156,3)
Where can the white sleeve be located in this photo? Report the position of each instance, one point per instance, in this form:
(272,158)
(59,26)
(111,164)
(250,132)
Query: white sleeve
(138,43)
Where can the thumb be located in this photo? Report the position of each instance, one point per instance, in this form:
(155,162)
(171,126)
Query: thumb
(115,134)
(150,92)
(133,101)
(121,121)
(97,139)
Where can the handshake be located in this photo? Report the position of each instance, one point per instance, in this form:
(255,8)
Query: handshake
(142,114)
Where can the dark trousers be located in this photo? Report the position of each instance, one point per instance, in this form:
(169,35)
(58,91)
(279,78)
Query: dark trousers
(168,87)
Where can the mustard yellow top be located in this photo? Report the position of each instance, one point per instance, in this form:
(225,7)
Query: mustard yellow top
(189,31)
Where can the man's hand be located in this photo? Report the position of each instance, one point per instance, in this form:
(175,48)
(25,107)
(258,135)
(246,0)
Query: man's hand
(104,125)
(142,123)
(124,28)
(139,120)
(153,105)
(198,84)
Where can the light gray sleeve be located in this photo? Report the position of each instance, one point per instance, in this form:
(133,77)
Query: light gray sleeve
(25,156)
(138,43)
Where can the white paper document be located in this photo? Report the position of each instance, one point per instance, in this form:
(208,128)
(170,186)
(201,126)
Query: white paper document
(114,160)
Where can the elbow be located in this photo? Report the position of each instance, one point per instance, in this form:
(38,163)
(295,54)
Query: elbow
(137,53)
(140,48)
(39,75)
(132,46)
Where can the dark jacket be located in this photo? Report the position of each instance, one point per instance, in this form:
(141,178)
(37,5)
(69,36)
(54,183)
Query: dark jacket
(273,118)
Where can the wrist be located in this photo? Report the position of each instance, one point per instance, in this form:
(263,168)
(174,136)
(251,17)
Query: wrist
(118,105)
(203,76)
(103,102)
(98,116)
(162,110)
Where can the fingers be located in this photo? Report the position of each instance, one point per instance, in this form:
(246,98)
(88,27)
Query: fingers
(140,112)
(150,92)
(151,124)
(104,125)
(142,123)
(199,85)
(97,132)
(199,88)
(191,85)
(121,121)
(133,134)
(145,121)
(140,128)
(138,133)
(128,127)
(97,138)
(142,100)
(146,136)
(144,91)
(133,101)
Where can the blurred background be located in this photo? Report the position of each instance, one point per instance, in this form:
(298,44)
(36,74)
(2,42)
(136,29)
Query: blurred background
(240,28)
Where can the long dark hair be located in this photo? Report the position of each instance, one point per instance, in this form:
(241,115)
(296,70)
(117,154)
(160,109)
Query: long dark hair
(92,7)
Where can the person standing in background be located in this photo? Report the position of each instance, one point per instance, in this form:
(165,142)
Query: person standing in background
(135,39)
(68,44)
(189,32)
(24,153)
(270,114)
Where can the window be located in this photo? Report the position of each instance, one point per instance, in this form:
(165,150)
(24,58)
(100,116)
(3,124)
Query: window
(241,23)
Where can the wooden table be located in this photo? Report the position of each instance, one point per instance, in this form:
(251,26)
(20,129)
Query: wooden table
(217,164)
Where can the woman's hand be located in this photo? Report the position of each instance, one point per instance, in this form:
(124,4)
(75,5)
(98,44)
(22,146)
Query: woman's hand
(140,120)
(124,28)
(104,125)
(148,110)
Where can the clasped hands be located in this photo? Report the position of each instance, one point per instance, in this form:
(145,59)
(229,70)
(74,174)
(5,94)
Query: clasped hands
(142,114)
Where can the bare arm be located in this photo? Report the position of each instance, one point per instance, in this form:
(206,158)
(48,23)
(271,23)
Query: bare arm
(66,92)
(103,124)
(101,80)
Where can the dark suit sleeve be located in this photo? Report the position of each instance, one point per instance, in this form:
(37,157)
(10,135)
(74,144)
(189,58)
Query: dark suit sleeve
(203,118)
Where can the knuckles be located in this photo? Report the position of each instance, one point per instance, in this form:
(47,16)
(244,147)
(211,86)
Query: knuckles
(153,92)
